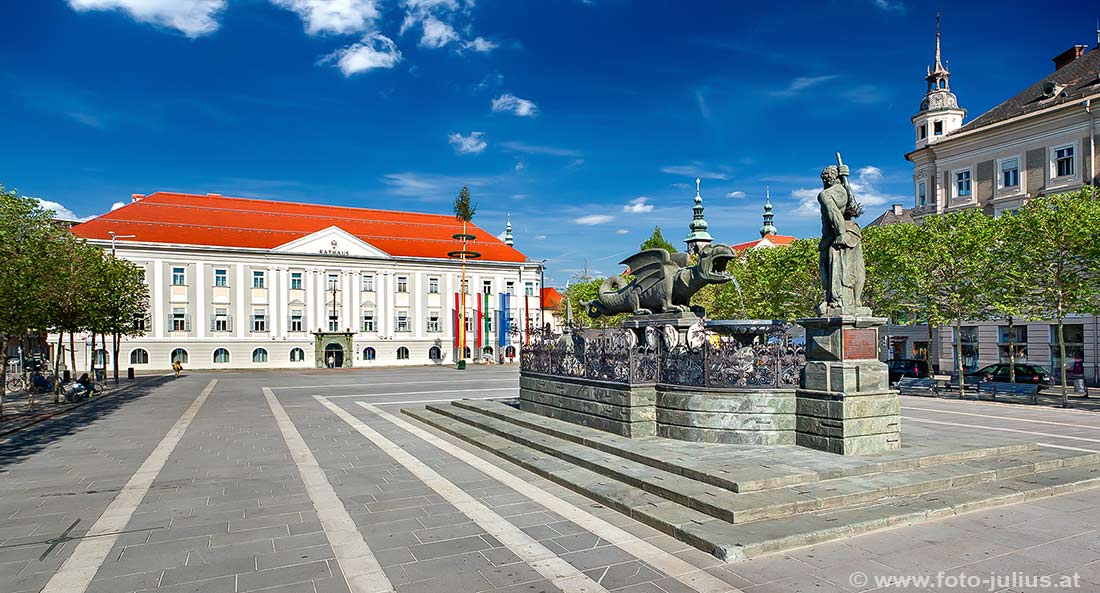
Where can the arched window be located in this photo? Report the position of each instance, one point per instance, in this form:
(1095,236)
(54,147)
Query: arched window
(466,352)
(139,356)
(369,353)
(259,355)
(402,353)
(221,356)
(434,353)
(297,355)
(510,352)
(487,351)
(178,354)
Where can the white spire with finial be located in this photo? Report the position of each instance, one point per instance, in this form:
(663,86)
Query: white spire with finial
(508,231)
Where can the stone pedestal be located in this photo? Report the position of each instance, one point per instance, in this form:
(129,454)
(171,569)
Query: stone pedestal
(845,404)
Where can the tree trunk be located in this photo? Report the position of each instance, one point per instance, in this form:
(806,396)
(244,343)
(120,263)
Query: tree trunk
(1062,356)
(3,372)
(958,357)
(928,350)
(115,345)
(72,352)
(91,359)
(1011,352)
(57,367)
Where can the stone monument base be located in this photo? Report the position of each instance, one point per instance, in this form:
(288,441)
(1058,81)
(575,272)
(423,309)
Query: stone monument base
(845,404)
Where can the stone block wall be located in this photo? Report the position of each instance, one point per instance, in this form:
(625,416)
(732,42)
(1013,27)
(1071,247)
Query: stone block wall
(626,410)
(741,416)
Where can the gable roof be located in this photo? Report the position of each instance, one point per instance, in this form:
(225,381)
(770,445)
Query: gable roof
(891,217)
(1078,79)
(551,297)
(218,221)
(767,241)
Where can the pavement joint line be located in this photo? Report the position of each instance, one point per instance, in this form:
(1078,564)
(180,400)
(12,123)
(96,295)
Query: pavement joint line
(1003,429)
(433,401)
(1068,448)
(683,571)
(357,563)
(563,575)
(80,567)
(510,378)
(1004,418)
(362,395)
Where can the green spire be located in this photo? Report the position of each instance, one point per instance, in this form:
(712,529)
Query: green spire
(769,224)
(699,235)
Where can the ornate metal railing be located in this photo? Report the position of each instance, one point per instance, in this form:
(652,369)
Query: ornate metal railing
(707,359)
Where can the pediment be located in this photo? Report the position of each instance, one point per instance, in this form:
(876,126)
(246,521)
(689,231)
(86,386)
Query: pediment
(332,241)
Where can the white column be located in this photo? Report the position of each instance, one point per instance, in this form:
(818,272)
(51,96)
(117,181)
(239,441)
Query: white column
(383,311)
(201,322)
(355,284)
(345,293)
(284,298)
(417,312)
(273,301)
(310,306)
(158,290)
(320,294)
(241,322)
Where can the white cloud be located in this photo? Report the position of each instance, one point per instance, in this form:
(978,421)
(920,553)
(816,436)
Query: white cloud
(621,232)
(471,144)
(540,237)
(193,18)
(520,107)
(480,45)
(333,16)
(638,206)
(429,187)
(436,33)
(515,146)
(888,6)
(117,205)
(593,219)
(61,212)
(802,83)
(865,188)
(520,166)
(374,51)
(695,170)
(737,194)
(519,196)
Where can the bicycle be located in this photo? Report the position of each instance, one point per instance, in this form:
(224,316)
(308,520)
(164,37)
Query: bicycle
(14,384)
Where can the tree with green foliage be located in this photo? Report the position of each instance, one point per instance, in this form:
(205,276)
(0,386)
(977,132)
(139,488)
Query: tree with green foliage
(121,296)
(464,211)
(657,241)
(1056,242)
(775,283)
(589,290)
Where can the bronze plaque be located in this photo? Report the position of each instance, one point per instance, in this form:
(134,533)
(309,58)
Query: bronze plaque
(861,344)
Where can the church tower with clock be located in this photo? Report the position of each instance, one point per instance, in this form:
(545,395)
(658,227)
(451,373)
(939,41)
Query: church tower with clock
(939,113)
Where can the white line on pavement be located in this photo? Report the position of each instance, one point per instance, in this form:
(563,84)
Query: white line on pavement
(1002,429)
(433,401)
(1031,420)
(1069,448)
(680,569)
(563,575)
(513,379)
(78,569)
(362,395)
(357,562)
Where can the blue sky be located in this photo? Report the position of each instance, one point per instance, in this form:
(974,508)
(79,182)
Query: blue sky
(588,120)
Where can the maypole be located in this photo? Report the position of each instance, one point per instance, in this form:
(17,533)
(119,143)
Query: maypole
(464,211)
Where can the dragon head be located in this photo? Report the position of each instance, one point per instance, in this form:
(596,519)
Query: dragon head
(713,260)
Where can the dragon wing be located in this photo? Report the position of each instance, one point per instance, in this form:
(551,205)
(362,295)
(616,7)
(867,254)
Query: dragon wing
(649,267)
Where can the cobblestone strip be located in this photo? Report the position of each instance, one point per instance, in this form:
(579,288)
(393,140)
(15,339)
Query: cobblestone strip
(559,572)
(79,568)
(683,571)
(357,563)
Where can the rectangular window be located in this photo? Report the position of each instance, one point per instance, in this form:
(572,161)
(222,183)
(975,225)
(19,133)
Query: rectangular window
(923,131)
(962,183)
(295,281)
(486,287)
(510,287)
(922,193)
(402,324)
(434,327)
(969,344)
(179,276)
(402,284)
(179,319)
(1074,336)
(1012,341)
(139,323)
(1010,173)
(259,320)
(257,279)
(529,288)
(1063,161)
(333,282)
(333,322)
(221,277)
(937,128)
(221,320)
(368,321)
(433,285)
(368,282)
(296,324)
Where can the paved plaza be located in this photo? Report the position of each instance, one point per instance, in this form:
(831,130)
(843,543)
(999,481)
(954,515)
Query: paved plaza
(314,482)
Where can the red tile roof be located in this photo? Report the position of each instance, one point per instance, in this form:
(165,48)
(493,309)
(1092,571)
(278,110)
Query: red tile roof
(551,298)
(218,221)
(775,240)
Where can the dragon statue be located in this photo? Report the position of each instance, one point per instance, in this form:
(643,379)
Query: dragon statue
(663,282)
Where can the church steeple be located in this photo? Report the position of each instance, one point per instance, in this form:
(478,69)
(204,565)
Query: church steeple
(769,218)
(508,232)
(939,112)
(699,237)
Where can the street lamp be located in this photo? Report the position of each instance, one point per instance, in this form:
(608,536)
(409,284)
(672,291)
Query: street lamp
(542,287)
(114,236)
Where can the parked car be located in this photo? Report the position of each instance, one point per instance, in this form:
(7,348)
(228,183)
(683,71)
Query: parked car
(1025,373)
(907,367)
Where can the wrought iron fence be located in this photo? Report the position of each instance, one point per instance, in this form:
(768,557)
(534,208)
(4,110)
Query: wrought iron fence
(710,359)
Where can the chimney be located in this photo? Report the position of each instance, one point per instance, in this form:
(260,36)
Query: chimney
(897,209)
(136,197)
(1068,56)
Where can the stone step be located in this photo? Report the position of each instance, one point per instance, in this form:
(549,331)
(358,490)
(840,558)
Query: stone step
(731,542)
(774,503)
(705,462)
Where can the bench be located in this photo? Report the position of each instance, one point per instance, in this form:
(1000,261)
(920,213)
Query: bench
(994,389)
(915,386)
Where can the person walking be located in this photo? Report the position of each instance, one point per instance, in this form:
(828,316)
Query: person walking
(331,361)
(177,366)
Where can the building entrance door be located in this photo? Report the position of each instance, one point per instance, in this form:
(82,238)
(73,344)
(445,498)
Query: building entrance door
(334,356)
